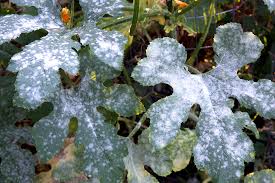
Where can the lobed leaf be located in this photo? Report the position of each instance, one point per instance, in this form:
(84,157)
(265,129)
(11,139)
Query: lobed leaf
(174,157)
(96,9)
(222,146)
(106,46)
(104,149)
(35,86)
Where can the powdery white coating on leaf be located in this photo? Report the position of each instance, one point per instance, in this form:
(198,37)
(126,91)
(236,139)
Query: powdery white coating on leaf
(263,176)
(106,46)
(11,26)
(104,149)
(174,157)
(135,166)
(38,66)
(270,4)
(54,51)
(126,105)
(222,146)
(95,8)
(17,164)
(37,3)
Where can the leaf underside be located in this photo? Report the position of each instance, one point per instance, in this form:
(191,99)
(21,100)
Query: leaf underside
(222,146)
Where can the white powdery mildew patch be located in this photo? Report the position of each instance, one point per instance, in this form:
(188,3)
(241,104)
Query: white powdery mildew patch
(222,146)
(97,8)
(11,26)
(38,66)
(55,51)
(104,149)
(105,45)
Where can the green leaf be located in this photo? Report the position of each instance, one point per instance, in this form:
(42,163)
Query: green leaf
(104,149)
(96,9)
(174,157)
(16,164)
(270,4)
(35,86)
(222,146)
(266,176)
(106,46)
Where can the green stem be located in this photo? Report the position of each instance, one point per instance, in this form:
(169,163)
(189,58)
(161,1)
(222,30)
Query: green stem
(127,77)
(72,15)
(135,17)
(137,127)
(194,55)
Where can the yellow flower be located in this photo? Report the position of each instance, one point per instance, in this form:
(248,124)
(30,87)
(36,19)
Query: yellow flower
(65,15)
(181,4)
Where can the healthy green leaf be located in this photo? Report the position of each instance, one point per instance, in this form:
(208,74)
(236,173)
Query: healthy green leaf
(266,176)
(222,146)
(175,156)
(104,149)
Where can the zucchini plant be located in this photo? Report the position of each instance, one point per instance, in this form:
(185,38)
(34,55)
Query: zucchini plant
(78,138)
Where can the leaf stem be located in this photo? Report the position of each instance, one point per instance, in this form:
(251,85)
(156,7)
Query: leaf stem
(137,127)
(135,17)
(126,75)
(194,55)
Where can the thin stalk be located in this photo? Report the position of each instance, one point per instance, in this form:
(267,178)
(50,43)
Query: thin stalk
(137,127)
(126,75)
(135,17)
(194,55)
(72,15)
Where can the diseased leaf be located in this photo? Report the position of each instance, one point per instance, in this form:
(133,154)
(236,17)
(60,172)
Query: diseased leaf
(135,167)
(66,166)
(265,176)
(222,146)
(270,4)
(95,9)
(104,149)
(16,164)
(34,86)
(174,157)
(106,46)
